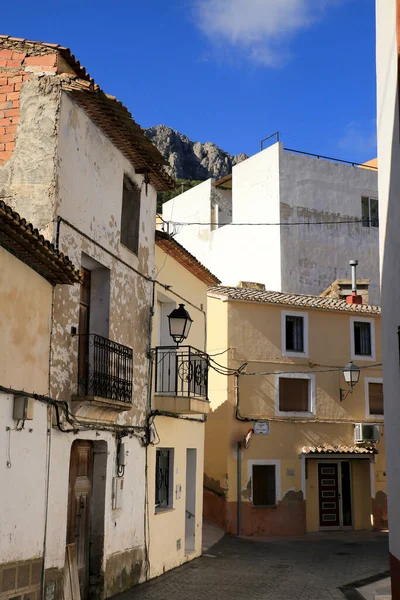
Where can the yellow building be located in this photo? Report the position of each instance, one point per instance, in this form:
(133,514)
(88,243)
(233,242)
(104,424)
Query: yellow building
(290,446)
(175,457)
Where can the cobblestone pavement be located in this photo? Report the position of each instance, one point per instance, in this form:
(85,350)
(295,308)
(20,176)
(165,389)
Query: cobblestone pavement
(299,569)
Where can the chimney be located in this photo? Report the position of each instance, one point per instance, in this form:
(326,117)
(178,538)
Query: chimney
(252,285)
(354,298)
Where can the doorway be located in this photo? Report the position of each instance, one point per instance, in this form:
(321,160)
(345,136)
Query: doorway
(190,513)
(335,496)
(85,524)
(79,508)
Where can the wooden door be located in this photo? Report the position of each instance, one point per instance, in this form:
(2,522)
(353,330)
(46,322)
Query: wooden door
(79,505)
(329,498)
(84,320)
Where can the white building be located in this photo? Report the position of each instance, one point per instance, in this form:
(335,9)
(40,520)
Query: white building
(387,54)
(280,186)
(83,172)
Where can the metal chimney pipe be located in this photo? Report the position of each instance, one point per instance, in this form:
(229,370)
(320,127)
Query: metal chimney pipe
(353,264)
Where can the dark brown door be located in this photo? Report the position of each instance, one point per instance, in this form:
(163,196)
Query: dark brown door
(329,499)
(79,502)
(84,316)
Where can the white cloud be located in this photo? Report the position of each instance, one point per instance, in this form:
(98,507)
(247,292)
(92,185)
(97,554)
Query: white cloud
(359,138)
(260,29)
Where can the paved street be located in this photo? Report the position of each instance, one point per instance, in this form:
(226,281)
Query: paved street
(309,568)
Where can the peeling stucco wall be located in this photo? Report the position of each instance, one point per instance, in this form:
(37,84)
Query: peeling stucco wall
(64,166)
(27,178)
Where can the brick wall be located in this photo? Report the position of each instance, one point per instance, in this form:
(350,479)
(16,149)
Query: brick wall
(15,69)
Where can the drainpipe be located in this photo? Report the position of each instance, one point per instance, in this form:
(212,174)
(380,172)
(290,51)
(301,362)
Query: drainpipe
(239,488)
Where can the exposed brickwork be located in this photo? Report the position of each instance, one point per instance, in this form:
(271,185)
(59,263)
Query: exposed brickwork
(15,69)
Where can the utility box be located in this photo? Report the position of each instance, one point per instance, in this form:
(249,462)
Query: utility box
(117,488)
(23,408)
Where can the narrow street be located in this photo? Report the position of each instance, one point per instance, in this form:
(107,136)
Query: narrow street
(311,568)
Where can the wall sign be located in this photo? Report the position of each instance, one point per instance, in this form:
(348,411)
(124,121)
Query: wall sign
(261,427)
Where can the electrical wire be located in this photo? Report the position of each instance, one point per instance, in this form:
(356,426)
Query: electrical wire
(333,370)
(276,224)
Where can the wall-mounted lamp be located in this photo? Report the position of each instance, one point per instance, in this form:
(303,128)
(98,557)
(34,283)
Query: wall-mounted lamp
(180,323)
(351,374)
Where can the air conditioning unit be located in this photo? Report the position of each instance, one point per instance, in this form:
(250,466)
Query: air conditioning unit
(366,432)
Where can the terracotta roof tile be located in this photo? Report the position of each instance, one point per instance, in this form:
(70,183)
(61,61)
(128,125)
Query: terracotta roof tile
(340,449)
(284,299)
(184,257)
(24,241)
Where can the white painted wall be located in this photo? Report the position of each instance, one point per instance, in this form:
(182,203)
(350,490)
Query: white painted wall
(90,173)
(389,214)
(22,497)
(274,186)
(235,253)
(90,179)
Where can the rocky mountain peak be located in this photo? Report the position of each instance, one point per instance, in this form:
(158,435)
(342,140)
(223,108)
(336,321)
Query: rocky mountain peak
(191,160)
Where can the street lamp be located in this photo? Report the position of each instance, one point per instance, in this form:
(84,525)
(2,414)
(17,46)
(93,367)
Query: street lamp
(179,324)
(351,374)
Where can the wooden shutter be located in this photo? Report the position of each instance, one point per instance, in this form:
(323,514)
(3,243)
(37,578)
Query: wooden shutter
(293,394)
(130,217)
(375,394)
(264,485)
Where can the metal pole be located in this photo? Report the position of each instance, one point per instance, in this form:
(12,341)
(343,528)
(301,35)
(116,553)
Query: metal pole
(353,264)
(239,488)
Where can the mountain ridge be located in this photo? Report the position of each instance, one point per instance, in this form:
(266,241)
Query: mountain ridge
(190,160)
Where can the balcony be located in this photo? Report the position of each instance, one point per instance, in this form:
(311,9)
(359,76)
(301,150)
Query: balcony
(105,372)
(181,380)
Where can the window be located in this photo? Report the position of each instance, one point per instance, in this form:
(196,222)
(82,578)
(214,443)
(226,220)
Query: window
(294,334)
(362,338)
(369,211)
(164,477)
(362,335)
(130,217)
(264,485)
(294,395)
(374,397)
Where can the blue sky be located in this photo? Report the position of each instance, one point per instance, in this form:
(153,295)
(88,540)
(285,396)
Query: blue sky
(227,71)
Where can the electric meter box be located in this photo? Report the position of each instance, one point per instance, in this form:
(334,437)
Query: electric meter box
(23,408)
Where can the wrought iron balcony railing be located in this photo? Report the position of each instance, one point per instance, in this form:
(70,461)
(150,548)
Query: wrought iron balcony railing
(105,368)
(181,371)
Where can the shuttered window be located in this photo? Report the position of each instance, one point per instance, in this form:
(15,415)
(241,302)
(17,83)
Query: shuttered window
(294,395)
(294,333)
(375,395)
(362,338)
(130,217)
(264,485)
(164,469)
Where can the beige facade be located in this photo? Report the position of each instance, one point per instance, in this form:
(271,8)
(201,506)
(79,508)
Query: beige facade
(26,298)
(179,406)
(249,327)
